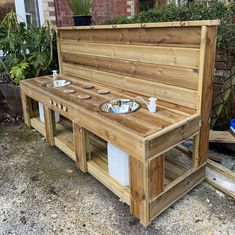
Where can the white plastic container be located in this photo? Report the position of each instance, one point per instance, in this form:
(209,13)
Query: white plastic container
(41,113)
(118,164)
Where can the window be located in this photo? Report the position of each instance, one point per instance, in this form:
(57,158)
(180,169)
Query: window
(30,11)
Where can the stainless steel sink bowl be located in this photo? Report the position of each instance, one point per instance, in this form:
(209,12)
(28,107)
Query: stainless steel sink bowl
(56,83)
(120,106)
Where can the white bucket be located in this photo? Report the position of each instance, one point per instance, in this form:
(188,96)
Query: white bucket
(41,113)
(118,164)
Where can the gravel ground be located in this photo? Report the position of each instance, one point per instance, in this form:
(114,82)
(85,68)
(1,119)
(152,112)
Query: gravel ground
(42,192)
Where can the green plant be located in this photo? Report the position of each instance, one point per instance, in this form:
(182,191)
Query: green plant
(195,11)
(80,7)
(28,51)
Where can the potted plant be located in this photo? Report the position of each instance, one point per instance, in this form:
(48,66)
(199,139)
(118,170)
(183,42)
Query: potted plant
(27,53)
(81,12)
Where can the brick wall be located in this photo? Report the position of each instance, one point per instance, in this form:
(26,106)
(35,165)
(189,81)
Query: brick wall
(58,11)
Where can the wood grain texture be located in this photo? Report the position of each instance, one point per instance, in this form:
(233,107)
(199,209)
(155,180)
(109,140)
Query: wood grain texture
(172,137)
(179,24)
(206,94)
(27,108)
(79,135)
(181,77)
(168,93)
(173,56)
(156,176)
(49,117)
(139,190)
(187,182)
(146,36)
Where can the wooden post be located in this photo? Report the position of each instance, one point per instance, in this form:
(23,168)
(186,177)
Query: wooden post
(50,126)
(139,190)
(156,176)
(80,146)
(27,108)
(207,60)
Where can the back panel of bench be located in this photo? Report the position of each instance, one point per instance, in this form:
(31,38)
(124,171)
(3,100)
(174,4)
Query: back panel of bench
(157,61)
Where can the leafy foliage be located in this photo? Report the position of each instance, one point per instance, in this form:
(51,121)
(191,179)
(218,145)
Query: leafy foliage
(196,11)
(80,7)
(28,51)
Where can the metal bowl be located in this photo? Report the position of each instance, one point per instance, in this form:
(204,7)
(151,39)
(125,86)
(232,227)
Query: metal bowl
(56,83)
(120,106)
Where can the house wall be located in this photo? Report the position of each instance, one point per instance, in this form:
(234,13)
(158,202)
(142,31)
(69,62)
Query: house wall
(58,11)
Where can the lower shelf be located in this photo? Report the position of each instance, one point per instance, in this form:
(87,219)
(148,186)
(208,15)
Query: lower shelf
(63,138)
(98,167)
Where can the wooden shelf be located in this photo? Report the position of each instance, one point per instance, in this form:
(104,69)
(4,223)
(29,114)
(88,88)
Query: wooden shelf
(63,138)
(98,167)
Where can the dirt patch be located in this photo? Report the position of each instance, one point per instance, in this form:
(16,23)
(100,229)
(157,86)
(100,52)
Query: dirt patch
(42,192)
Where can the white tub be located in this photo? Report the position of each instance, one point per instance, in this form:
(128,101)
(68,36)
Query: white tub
(41,113)
(118,164)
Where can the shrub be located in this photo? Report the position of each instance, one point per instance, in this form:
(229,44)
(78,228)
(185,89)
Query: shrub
(28,51)
(196,11)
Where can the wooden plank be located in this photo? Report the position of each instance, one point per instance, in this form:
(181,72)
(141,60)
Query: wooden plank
(168,93)
(27,108)
(221,137)
(80,146)
(156,176)
(49,117)
(221,178)
(148,36)
(179,24)
(62,144)
(59,52)
(172,137)
(139,190)
(181,77)
(176,190)
(174,56)
(99,169)
(206,92)
(39,126)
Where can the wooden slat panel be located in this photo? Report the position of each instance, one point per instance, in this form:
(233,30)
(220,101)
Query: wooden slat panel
(187,36)
(182,77)
(180,57)
(168,93)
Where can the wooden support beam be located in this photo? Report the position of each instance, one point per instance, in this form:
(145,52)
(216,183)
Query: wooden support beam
(206,68)
(27,108)
(80,144)
(50,125)
(221,178)
(139,190)
(156,176)
(181,186)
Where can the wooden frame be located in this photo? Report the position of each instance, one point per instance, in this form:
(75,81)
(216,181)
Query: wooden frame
(142,59)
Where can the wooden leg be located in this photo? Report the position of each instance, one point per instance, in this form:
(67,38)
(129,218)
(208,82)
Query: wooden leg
(156,176)
(27,108)
(139,190)
(50,125)
(80,146)
(195,159)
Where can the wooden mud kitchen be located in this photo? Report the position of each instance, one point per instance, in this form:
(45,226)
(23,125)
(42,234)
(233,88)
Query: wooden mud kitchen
(99,112)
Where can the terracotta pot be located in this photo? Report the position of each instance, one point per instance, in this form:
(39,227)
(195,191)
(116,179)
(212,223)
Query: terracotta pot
(11,94)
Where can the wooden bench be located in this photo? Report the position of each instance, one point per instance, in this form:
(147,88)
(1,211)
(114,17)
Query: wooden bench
(173,61)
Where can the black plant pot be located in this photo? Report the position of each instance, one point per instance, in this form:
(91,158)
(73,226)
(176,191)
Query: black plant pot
(82,20)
